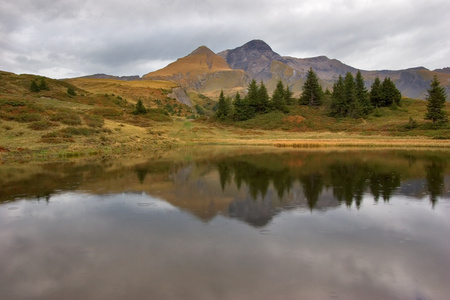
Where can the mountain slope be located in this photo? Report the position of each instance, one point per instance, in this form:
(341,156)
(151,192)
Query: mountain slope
(257,59)
(202,71)
(231,70)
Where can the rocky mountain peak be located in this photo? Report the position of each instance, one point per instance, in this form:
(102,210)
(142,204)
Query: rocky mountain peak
(256,45)
(202,50)
(254,57)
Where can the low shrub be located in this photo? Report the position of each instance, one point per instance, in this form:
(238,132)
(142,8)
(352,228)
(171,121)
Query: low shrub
(27,117)
(94,121)
(110,113)
(68,118)
(42,125)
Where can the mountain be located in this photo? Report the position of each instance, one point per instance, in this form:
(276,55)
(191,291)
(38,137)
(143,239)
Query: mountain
(255,58)
(231,70)
(202,71)
(444,70)
(105,76)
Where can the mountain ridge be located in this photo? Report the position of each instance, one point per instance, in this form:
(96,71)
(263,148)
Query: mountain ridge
(231,70)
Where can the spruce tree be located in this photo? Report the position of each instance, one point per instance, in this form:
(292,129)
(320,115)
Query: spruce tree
(436,102)
(43,85)
(353,107)
(140,108)
(223,107)
(263,99)
(376,93)
(362,94)
(312,93)
(339,105)
(252,99)
(240,108)
(288,96)
(278,98)
(34,86)
(391,95)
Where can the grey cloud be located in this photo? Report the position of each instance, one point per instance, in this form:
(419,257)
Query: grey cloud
(114,35)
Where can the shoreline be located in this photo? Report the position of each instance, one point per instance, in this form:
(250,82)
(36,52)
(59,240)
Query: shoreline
(76,152)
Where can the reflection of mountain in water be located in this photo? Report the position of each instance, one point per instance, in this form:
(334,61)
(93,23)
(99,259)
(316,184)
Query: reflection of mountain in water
(252,188)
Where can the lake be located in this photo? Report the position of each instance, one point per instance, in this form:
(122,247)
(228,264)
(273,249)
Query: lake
(244,224)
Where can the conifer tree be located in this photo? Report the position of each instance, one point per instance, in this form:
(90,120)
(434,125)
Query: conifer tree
(376,93)
(223,107)
(362,94)
(312,93)
(34,87)
(240,108)
(288,96)
(353,107)
(278,98)
(140,108)
(43,85)
(252,98)
(263,99)
(339,106)
(436,102)
(391,95)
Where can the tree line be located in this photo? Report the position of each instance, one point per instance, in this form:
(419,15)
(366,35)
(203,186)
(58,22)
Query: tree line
(349,98)
(257,101)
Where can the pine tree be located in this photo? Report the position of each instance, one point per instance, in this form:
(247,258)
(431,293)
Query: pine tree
(71,91)
(353,108)
(140,108)
(376,93)
(288,96)
(240,108)
(252,98)
(436,101)
(263,99)
(278,98)
(339,105)
(223,107)
(43,85)
(362,94)
(391,95)
(312,93)
(34,86)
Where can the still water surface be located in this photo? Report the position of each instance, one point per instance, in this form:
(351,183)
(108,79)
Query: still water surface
(293,225)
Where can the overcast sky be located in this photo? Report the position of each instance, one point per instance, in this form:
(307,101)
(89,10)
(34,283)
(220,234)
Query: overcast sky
(70,38)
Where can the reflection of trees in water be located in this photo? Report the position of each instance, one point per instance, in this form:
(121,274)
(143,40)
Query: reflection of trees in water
(435,179)
(257,179)
(348,180)
(312,184)
(384,184)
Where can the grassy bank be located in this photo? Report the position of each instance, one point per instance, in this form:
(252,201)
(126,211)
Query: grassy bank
(98,120)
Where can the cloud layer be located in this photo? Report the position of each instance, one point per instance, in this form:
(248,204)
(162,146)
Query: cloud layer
(69,38)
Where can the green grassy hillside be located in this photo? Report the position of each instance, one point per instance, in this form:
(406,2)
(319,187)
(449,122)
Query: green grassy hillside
(66,118)
(96,116)
(405,120)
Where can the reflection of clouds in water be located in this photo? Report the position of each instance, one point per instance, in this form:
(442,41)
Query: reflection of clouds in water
(363,249)
(114,247)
